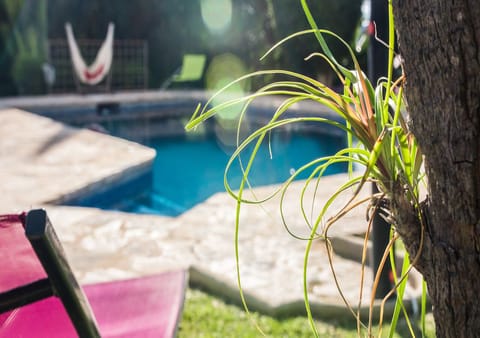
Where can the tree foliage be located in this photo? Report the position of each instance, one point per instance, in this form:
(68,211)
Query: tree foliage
(23,38)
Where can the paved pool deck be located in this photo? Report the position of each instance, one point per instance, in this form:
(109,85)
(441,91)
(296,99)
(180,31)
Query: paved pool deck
(44,162)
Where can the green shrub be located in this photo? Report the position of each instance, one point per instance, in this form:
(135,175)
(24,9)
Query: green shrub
(28,75)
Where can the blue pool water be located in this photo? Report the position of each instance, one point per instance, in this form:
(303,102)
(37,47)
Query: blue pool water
(188,170)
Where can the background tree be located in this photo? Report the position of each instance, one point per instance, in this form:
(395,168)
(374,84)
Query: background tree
(440,42)
(23,40)
(7,15)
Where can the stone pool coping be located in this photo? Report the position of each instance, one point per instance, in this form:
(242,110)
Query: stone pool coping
(165,112)
(44,162)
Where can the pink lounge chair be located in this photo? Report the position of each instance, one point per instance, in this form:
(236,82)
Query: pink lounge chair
(39,296)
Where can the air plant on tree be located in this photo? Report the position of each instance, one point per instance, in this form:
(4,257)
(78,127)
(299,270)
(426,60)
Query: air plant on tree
(379,142)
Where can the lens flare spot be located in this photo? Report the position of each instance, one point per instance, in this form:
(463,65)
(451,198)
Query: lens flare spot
(223,70)
(216,14)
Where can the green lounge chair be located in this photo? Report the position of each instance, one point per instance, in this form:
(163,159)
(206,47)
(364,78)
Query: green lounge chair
(191,70)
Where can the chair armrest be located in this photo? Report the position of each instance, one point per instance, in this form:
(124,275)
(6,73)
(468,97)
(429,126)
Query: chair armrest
(49,251)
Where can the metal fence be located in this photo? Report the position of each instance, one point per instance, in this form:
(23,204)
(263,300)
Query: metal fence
(129,67)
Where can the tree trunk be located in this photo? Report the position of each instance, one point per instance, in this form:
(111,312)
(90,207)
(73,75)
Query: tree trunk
(439,41)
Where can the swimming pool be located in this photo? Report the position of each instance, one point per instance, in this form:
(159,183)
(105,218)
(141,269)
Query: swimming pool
(189,169)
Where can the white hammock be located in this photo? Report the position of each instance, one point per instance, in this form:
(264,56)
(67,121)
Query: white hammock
(97,71)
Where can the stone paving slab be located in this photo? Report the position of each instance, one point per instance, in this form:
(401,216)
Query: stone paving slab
(43,161)
(105,245)
(47,160)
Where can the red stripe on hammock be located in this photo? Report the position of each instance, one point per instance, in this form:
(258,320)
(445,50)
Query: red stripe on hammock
(94,74)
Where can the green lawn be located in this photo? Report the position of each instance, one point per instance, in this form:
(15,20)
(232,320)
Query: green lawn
(207,316)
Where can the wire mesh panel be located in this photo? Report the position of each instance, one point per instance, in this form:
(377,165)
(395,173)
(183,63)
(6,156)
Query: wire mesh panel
(129,67)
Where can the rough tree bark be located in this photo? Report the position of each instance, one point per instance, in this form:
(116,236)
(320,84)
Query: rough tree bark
(440,43)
